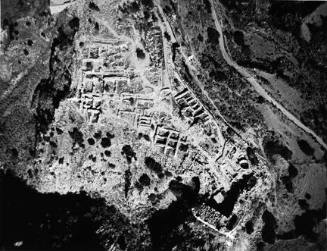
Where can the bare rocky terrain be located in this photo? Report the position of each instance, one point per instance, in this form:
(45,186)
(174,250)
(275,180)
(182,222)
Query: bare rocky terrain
(163,125)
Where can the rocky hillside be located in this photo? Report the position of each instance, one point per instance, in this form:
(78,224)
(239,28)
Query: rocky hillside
(163,125)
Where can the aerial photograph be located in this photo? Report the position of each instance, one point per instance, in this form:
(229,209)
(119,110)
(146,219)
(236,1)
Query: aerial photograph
(163,125)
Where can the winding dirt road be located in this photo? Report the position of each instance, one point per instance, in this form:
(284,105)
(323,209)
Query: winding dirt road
(257,87)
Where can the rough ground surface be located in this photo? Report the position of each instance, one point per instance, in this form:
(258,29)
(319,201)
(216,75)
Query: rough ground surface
(163,125)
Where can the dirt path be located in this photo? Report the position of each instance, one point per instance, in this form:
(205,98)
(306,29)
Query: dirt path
(257,87)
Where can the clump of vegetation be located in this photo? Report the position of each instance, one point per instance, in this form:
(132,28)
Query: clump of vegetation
(93,6)
(129,153)
(268,230)
(305,147)
(77,137)
(154,166)
(287,179)
(140,53)
(105,141)
(213,35)
(272,146)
